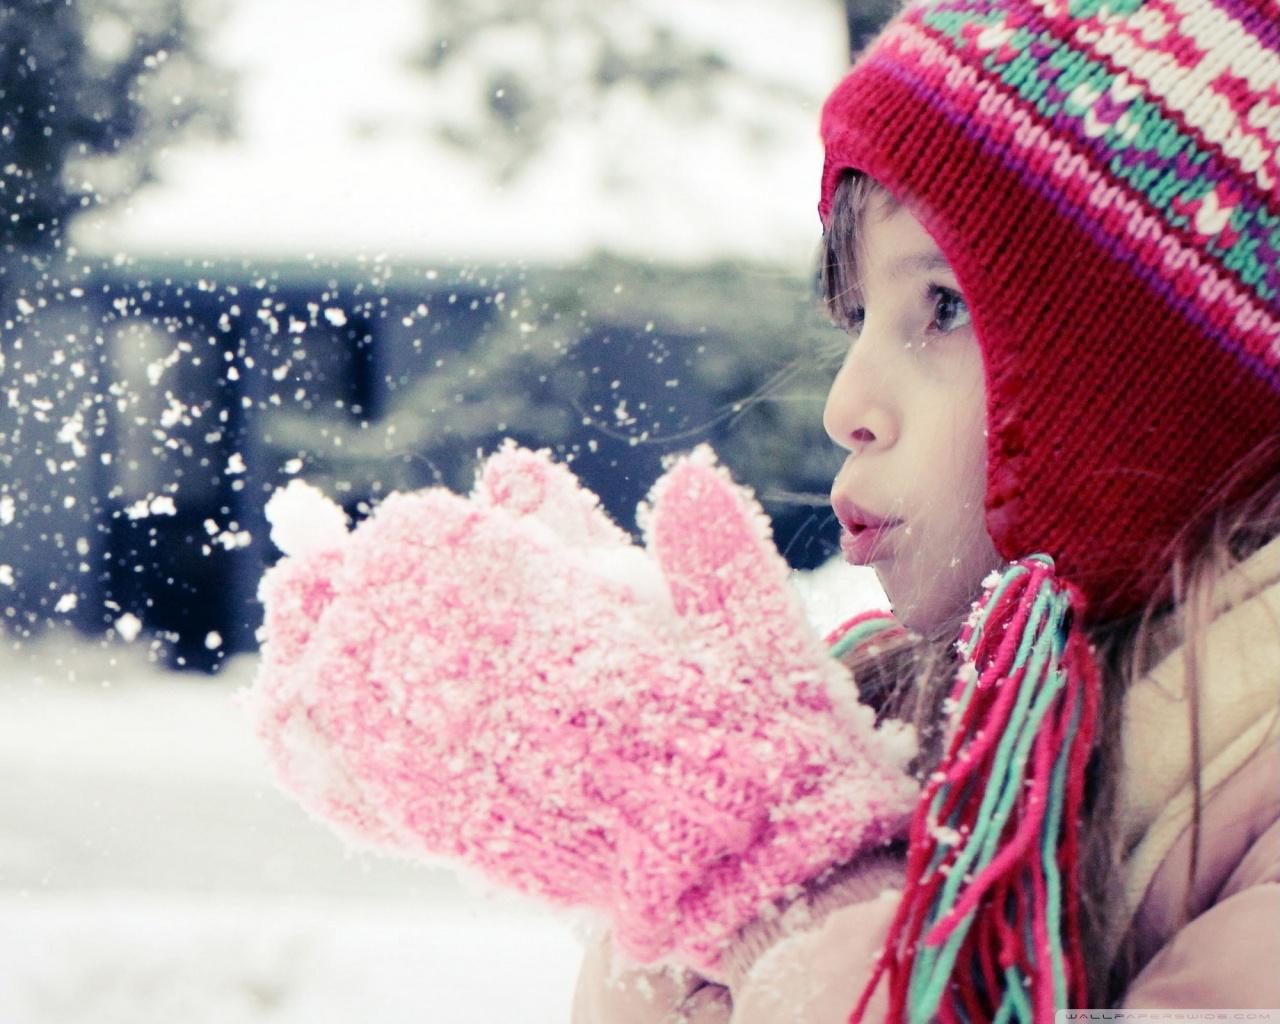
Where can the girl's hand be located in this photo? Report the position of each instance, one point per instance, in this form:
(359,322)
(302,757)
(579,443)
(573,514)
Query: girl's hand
(806,961)
(610,992)
(508,682)
(817,976)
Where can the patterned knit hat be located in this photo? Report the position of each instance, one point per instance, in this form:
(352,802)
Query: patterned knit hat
(1102,177)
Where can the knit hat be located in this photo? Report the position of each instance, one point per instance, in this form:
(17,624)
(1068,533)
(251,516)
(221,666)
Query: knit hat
(1101,177)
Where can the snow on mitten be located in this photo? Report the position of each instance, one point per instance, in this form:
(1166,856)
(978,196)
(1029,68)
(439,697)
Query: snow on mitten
(508,683)
(312,532)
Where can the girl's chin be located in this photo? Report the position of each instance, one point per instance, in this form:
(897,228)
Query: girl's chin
(928,611)
(933,595)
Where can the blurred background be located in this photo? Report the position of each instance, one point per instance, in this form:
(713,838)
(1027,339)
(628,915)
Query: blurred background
(245,241)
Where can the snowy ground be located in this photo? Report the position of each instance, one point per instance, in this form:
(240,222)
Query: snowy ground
(149,871)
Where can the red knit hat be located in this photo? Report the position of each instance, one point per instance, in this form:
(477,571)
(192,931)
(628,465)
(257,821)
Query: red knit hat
(1101,176)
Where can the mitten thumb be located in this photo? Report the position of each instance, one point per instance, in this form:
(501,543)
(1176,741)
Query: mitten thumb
(715,546)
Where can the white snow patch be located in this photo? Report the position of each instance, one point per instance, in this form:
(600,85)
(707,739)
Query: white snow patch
(127,959)
(153,873)
(836,591)
(303,519)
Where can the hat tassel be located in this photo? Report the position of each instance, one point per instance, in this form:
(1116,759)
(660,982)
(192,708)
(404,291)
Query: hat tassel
(992,891)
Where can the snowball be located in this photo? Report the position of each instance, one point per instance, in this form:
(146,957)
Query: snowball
(303,519)
(6,575)
(66,603)
(6,509)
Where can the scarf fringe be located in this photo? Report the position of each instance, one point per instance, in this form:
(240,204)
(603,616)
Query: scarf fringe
(988,926)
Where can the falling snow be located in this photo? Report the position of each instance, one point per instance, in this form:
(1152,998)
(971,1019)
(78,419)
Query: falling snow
(156,505)
(180,354)
(128,626)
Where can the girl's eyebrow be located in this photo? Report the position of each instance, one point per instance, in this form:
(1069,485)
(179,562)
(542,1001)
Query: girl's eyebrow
(920,263)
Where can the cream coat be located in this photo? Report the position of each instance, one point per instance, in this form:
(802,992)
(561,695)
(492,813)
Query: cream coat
(1228,954)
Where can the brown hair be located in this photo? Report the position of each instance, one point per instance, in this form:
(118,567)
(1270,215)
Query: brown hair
(911,680)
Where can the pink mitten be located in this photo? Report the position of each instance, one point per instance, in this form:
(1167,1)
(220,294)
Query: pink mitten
(506,681)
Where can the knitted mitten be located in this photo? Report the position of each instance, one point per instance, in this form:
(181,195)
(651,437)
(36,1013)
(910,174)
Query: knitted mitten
(507,682)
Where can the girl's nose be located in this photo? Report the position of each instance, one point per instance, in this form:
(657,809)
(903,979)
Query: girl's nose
(858,415)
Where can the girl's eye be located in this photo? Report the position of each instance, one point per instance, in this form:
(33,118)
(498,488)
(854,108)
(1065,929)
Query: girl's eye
(950,311)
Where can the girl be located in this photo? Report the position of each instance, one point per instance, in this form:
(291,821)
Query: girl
(1051,230)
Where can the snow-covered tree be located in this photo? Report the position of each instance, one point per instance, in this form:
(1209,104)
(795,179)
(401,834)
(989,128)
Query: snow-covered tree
(533,65)
(89,92)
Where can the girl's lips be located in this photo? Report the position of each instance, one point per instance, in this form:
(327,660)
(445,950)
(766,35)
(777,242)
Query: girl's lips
(863,532)
(862,545)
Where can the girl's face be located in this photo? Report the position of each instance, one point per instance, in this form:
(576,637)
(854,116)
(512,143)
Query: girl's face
(909,405)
